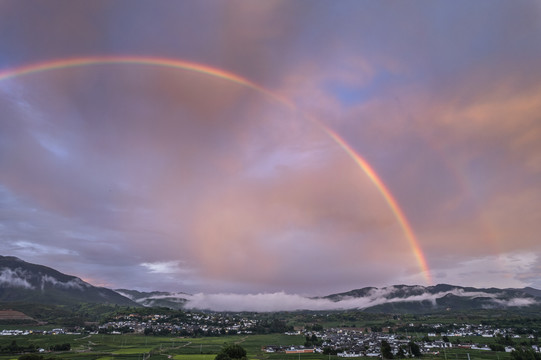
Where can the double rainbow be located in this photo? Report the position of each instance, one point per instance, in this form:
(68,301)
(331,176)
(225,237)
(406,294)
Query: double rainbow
(222,74)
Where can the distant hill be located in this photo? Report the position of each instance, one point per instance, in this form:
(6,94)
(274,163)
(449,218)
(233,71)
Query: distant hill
(156,298)
(26,283)
(532,291)
(392,299)
(420,299)
(21,281)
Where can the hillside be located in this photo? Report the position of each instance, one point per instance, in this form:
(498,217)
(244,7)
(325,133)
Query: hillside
(422,299)
(26,283)
(21,281)
(156,298)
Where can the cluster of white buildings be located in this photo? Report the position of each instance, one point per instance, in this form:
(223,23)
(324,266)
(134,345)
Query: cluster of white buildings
(15,332)
(356,343)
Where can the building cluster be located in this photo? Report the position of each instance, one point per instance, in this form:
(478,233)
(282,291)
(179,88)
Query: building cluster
(190,324)
(472,330)
(58,331)
(357,343)
(344,342)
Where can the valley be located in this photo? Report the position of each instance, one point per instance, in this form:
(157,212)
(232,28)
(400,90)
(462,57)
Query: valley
(45,314)
(167,334)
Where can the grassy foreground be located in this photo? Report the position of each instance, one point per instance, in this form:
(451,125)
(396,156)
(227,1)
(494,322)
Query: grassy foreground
(105,347)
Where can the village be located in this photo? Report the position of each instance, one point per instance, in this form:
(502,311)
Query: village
(343,342)
(191,324)
(359,343)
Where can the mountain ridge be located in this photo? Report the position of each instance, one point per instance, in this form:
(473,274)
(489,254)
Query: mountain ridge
(21,281)
(417,298)
(156,298)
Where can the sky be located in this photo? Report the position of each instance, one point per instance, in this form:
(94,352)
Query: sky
(272,147)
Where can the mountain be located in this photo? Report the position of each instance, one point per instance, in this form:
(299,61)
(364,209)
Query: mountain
(420,299)
(25,282)
(532,291)
(392,299)
(169,300)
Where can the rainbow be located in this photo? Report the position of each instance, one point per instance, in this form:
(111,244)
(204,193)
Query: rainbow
(222,74)
(140,60)
(391,201)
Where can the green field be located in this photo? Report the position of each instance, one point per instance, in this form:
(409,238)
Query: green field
(134,346)
(194,357)
(105,347)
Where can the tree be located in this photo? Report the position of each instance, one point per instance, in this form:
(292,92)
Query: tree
(415,349)
(30,357)
(61,347)
(13,347)
(231,351)
(496,347)
(504,340)
(525,354)
(401,353)
(386,351)
(222,356)
(327,350)
(312,341)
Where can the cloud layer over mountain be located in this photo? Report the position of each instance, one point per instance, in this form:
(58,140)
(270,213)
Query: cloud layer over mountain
(281,301)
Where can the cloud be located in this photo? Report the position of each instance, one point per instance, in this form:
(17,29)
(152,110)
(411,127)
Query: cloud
(515,302)
(268,225)
(32,248)
(20,278)
(77,284)
(14,278)
(166,267)
(280,301)
(505,270)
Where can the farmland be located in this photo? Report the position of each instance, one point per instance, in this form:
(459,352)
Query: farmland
(159,335)
(132,346)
